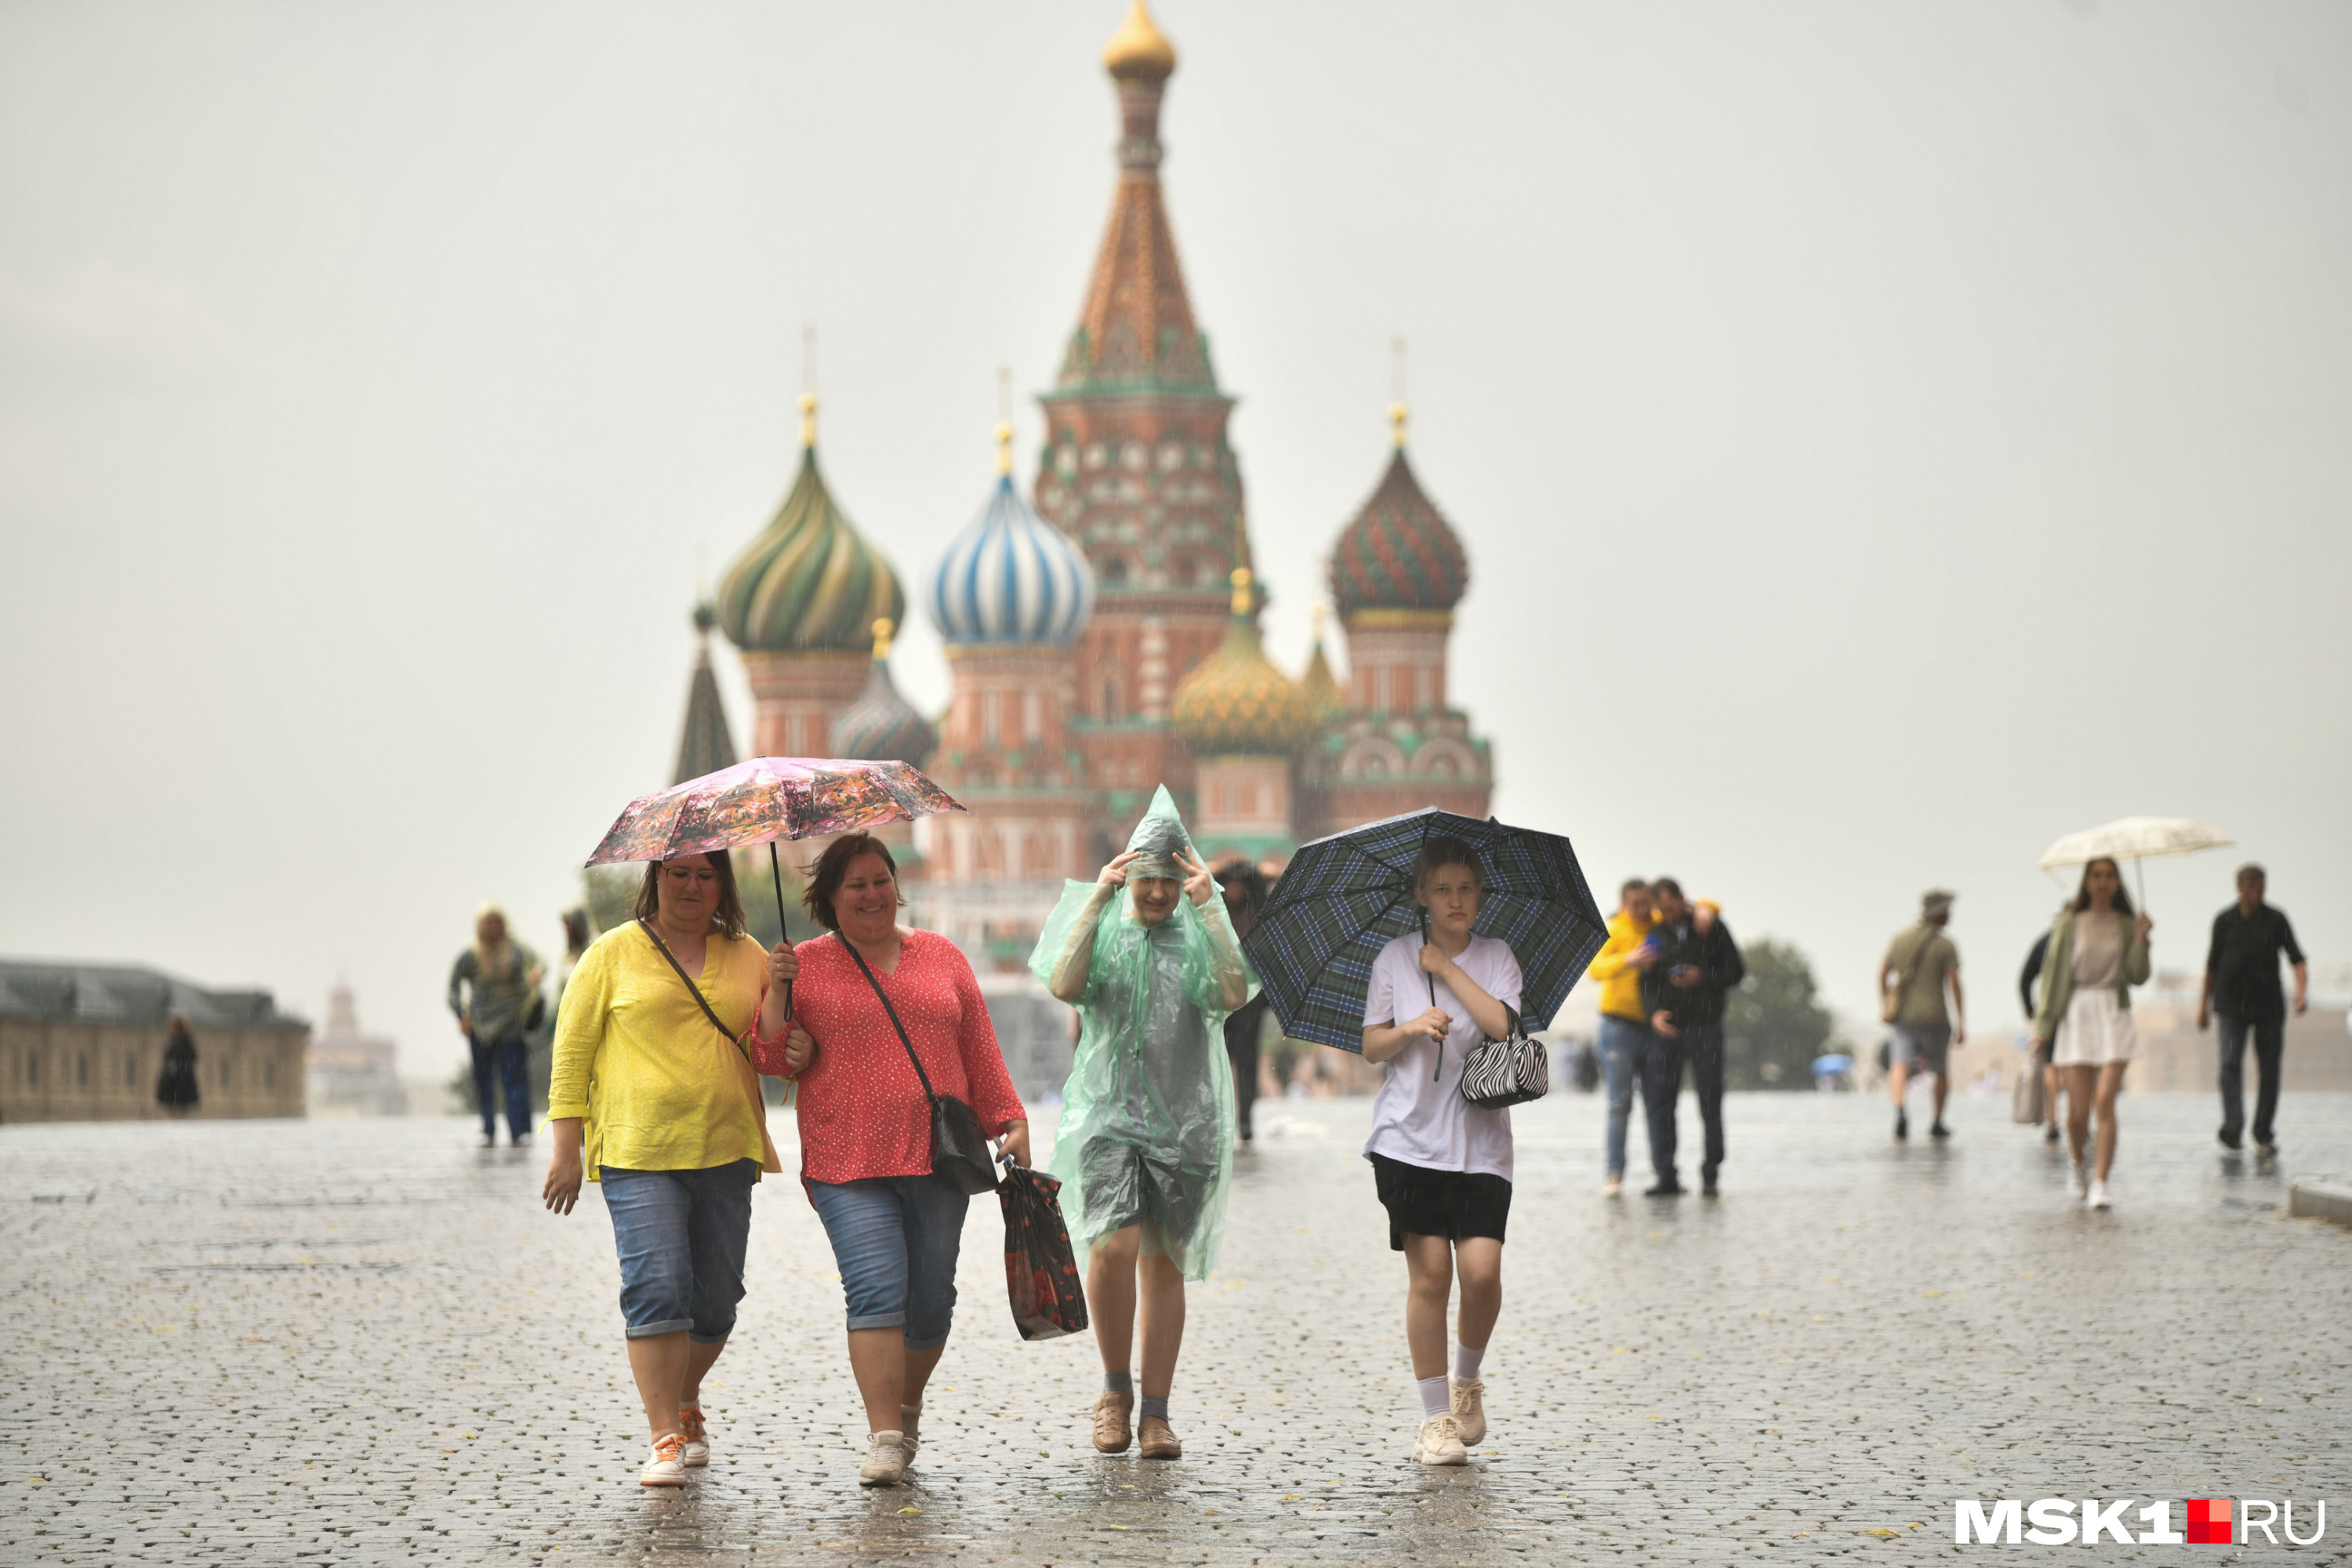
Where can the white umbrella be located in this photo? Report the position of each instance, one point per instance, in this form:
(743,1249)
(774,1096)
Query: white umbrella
(2134,838)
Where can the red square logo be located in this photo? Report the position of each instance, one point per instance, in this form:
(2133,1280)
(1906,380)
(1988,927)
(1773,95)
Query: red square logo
(2208,1521)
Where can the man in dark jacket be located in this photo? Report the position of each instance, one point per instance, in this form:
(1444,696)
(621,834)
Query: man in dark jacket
(2241,985)
(1697,964)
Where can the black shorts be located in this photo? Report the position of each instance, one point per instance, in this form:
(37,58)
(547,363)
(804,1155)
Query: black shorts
(1455,1205)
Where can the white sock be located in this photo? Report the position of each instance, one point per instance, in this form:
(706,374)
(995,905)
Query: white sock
(1466,1363)
(1436,1398)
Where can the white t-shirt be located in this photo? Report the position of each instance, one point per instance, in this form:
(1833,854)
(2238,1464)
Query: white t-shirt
(1421,1117)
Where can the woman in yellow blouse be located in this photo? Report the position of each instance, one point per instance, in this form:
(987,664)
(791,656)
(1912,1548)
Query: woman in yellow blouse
(652,1100)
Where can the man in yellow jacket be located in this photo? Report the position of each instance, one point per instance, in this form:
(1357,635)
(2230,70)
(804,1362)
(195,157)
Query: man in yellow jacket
(1625,1043)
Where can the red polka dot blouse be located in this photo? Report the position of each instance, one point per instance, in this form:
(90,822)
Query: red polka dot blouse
(862,1110)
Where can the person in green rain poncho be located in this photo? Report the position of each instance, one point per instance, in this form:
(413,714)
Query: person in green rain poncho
(1145,1151)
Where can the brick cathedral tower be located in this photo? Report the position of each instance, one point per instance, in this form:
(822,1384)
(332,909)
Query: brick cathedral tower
(1136,467)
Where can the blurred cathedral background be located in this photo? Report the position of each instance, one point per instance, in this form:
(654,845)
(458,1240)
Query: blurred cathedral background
(1102,630)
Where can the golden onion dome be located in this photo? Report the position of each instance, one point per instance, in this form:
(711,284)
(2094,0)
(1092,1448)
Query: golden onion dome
(1236,701)
(809,582)
(1139,51)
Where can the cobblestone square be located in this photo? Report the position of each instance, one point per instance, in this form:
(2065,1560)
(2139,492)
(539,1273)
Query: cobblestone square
(364,1342)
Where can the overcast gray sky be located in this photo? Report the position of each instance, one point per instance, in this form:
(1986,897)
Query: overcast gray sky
(1885,437)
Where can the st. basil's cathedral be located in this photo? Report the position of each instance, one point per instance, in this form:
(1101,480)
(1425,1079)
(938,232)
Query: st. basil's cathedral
(1102,632)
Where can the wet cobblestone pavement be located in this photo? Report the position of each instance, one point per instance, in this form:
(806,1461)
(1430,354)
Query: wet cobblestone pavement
(364,1342)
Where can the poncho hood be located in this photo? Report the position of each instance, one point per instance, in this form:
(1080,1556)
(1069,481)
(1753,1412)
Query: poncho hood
(1159,839)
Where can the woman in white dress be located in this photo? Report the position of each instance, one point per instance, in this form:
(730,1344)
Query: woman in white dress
(2098,952)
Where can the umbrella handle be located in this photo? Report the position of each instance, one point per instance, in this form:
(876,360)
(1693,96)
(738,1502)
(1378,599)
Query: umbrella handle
(776,871)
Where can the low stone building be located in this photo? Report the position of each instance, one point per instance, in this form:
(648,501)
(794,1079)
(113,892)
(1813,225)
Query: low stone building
(84,1042)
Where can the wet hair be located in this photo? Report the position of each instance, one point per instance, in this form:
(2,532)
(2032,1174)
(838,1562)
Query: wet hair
(829,871)
(2251,871)
(1436,853)
(1632,885)
(1666,884)
(2122,904)
(728,917)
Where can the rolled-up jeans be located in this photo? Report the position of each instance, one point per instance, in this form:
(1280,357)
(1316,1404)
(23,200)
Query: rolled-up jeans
(681,1236)
(894,1240)
(1622,1045)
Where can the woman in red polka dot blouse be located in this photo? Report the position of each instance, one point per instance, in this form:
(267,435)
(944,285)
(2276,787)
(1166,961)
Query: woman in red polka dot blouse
(866,1126)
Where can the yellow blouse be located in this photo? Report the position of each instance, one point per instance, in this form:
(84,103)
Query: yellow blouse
(656,1087)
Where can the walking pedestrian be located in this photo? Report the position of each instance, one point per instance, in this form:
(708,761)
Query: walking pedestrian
(1624,1038)
(493,988)
(652,1100)
(1145,1151)
(175,1086)
(1697,963)
(1245,888)
(1920,965)
(2098,952)
(871,999)
(2241,985)
(1441,1165)
(2039,1060)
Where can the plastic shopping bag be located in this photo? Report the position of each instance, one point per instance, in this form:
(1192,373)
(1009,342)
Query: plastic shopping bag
(2025,1101)
(1041,1272)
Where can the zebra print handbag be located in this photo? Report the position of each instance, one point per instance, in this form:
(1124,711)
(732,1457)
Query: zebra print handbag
(1509,1071)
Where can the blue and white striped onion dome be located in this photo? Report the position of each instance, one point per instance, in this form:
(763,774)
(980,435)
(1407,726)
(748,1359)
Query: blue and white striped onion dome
(1011,577)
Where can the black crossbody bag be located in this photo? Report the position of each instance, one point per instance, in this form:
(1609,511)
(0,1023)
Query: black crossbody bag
(960,1155)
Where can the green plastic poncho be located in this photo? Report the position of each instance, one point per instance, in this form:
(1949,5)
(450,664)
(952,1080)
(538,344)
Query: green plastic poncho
(1147,1132)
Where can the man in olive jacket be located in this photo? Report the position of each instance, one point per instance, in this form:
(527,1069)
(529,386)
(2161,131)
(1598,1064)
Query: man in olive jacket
(1697,963)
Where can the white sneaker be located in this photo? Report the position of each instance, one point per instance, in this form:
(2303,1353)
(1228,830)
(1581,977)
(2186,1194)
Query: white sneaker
(1440,1442)
(909,1418)
(1470,1410)
(2099,1194)
(697,1452)
(665,1468)
(886,1461)
(2076,1181)
(1612,1187)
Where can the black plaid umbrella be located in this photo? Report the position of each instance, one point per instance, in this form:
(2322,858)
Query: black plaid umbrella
(1344,897)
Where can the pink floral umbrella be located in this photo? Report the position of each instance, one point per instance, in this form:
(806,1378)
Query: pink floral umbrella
(766,799)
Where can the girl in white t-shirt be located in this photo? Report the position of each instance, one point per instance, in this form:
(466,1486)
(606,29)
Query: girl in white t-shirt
(1443,1167)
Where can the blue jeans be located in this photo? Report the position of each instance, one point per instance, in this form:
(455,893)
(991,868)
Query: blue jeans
(1623,1046)
(894,1240)
(681,1236)
(501,1060)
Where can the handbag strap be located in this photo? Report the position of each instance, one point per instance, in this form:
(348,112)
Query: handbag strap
(884,997)
(693,990)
